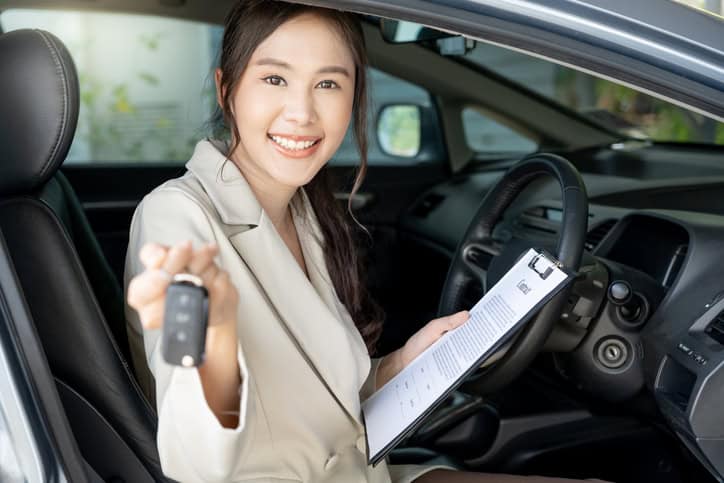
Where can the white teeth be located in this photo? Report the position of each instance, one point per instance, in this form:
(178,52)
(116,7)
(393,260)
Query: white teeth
(291,144)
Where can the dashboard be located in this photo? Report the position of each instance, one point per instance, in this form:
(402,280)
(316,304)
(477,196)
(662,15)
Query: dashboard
(672,337)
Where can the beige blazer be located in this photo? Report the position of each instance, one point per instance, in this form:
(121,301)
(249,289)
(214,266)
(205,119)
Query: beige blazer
(303,363)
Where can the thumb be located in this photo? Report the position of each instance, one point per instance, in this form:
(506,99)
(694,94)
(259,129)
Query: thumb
(452,321)
(153,255)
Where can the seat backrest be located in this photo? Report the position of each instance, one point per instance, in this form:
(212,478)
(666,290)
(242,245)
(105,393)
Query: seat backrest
(74,299)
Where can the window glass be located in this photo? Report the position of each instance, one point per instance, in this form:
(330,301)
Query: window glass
(484,135)
(146,82)
(384,89)
(628,111)
(147,90)
(713,6)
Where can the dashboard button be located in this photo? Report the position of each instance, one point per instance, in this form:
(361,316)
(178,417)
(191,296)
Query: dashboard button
(685,349)
(619,292)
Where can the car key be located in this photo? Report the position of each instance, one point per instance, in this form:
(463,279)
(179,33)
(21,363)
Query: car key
(185,320)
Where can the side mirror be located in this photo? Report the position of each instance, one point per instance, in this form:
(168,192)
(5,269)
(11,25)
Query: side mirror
(399,130)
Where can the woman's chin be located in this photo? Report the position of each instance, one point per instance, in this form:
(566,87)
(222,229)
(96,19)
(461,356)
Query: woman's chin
(295,172)
(294,177)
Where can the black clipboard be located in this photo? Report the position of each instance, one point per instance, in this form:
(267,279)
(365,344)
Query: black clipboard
(412,427)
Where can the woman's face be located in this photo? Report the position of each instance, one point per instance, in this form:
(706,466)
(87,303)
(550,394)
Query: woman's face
(294,102)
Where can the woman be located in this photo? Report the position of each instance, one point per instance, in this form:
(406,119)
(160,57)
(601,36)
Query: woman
(290,323)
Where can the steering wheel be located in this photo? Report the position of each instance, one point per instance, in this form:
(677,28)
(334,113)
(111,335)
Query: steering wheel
(466,269)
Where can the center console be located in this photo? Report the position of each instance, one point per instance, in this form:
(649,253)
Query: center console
(689,385)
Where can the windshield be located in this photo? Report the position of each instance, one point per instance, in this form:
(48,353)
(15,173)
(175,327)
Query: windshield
(620,108)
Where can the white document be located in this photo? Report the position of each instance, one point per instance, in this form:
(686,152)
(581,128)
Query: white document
(395,408)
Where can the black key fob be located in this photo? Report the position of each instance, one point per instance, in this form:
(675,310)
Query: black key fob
(184,321)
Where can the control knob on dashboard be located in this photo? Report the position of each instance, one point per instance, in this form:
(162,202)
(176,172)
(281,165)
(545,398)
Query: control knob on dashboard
(631,306)
(619,292)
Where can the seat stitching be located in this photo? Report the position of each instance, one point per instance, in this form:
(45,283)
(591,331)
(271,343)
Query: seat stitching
(54,52)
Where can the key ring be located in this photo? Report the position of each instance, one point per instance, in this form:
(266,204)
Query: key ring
(188,278)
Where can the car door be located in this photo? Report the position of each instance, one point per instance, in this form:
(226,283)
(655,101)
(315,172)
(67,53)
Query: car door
(36,443)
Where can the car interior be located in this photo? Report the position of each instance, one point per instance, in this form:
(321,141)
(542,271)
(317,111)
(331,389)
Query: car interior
(620,378)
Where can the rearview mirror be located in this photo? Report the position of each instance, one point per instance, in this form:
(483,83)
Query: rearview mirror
(400,31)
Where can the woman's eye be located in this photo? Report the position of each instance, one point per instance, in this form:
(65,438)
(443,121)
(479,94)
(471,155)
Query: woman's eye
(274,80)
(328,84)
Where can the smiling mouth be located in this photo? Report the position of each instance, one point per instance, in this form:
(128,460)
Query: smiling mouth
(299,144)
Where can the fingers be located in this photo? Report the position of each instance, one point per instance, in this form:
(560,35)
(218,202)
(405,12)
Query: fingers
(147,287)
(203,264)
(151,314)
(202,259)
(177,258)
(160,262)
(147,291)
(450,322)
(223,299)
(430,333)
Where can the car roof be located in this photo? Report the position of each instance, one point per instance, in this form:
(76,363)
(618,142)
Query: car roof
(660,47)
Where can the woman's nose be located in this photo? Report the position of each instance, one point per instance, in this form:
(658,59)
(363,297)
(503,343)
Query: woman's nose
(299,108)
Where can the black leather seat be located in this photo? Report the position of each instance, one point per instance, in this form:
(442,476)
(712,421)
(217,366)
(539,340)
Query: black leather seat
(74,299)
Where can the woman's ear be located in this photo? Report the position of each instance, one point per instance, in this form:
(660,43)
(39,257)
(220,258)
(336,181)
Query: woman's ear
(219,93)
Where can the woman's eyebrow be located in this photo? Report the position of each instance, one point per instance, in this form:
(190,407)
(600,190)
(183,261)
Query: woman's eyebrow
(330,69)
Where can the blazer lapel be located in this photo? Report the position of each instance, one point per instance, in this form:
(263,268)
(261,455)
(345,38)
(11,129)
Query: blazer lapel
(320,334)
(311,240)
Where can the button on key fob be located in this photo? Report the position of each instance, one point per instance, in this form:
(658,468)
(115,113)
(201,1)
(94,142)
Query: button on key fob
(184,321)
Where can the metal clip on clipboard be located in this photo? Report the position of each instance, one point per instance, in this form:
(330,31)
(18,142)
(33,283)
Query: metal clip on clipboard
(543,273)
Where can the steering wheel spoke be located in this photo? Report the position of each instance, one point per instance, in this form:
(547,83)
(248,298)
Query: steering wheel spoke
(477,257)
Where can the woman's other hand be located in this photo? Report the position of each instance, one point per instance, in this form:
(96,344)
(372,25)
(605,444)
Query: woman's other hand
(415,345)
(147,290)
(425,337)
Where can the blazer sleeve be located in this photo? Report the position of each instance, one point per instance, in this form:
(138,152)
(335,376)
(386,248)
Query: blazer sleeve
(369,386)
(192,443)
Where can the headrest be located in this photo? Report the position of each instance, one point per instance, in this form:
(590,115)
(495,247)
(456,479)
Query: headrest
(38,108)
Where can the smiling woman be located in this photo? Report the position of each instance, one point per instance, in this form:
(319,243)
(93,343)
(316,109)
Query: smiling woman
(288,312)
(290,81)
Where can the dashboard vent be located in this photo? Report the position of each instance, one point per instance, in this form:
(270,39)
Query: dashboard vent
(427,204)
(595,236)
(716,328)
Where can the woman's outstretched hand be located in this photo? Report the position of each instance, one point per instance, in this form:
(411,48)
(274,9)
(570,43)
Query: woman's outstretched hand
(415,345)
(147,290)
(220,374)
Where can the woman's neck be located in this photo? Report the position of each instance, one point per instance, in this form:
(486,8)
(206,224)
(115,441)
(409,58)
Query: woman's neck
(273,197)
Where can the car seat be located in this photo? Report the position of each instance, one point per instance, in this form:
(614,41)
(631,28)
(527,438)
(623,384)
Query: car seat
(73,297)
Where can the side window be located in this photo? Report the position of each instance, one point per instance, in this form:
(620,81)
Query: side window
(486,136)
(385,90)
(146,82)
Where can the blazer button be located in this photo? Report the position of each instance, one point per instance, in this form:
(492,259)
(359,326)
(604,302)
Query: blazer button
(362,444)
(331,462)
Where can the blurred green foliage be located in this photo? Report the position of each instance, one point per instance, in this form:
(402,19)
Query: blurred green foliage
(655,118)
(117,128)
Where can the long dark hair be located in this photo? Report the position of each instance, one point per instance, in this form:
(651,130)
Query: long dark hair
(247,25)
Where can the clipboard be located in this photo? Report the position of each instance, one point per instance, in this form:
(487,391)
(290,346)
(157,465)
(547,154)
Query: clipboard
(543,265)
